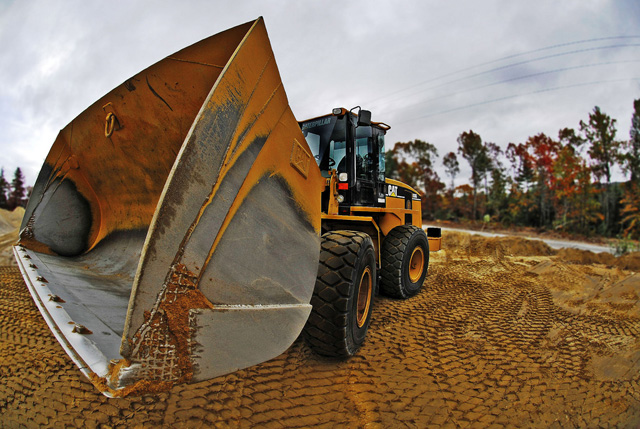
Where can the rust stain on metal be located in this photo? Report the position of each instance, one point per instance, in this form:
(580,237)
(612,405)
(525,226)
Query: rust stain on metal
(139,388)
(163,345)
(56,298)
(33,244)
(81,329)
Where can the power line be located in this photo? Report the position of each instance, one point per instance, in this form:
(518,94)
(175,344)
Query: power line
(546,57)
(509,97)
(495,83)
(512,65)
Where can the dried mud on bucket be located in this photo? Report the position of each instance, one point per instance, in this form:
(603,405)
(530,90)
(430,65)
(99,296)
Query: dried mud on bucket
(505,332)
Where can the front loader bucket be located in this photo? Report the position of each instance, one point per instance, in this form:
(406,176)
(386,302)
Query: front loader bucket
(173,232)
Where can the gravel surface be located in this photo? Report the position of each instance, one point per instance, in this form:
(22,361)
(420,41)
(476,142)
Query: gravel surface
(506,332)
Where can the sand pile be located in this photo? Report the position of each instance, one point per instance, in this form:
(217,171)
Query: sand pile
(630,261)
(477,245)
(586,257)
(503,334)
(9,229)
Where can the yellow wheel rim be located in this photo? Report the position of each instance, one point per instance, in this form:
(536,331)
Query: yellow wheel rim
(364,296)
(416,264)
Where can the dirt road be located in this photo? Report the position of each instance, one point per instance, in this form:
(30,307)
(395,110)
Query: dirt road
(506,332)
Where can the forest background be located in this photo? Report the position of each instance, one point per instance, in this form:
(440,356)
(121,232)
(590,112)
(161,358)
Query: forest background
(561,183)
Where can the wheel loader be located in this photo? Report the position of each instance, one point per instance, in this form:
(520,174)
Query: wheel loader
(186,225)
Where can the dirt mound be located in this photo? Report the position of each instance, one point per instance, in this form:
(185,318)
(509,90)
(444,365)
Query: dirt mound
(586,257)
(477,245)
(9,230)
(526,342)
(630,261)
(10,220)
(515,246)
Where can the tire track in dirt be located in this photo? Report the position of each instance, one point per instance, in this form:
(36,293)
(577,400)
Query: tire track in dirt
(487,341)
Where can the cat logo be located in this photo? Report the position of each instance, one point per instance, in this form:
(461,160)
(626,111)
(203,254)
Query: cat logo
(392,191)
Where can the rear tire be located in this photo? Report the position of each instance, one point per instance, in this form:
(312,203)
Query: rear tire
(405,261)
(343,296)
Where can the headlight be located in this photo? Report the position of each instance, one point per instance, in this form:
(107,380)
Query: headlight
(343,177)
(340,198)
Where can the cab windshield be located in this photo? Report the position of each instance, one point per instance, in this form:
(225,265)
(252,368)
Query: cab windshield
(327,138)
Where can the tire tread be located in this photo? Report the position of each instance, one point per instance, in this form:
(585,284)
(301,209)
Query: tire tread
(393,250)
(326,328)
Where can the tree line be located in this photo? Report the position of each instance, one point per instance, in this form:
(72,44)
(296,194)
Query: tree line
(561,183)
(13,194)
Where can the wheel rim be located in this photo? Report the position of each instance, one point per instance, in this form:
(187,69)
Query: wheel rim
(364,297)
(416,264)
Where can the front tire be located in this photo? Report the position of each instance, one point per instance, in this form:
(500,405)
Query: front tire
(343,296)
(405,261)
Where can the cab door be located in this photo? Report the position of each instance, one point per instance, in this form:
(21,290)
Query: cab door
(366,167)
(378,145)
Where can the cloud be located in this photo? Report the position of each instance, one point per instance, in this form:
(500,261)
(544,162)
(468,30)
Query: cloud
(429,69)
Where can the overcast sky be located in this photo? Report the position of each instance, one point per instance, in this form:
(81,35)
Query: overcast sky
(431,69)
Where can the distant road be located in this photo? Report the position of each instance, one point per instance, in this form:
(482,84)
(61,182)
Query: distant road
(556,244)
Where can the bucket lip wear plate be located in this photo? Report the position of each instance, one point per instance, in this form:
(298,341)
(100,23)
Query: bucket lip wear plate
(79,346)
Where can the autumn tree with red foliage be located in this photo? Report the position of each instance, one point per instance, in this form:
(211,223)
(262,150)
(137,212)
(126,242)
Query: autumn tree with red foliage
(562,183)
(544,151)
(575,204)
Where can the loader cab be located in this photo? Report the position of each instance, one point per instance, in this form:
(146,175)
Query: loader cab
(354,146)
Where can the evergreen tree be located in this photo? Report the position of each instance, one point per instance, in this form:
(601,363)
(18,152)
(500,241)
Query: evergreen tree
(451,166)
(18,192)
(632,157)
(491,163)
(497,196)
(604,150)
(631,202)
(4,190)
(471,148)
(522,165)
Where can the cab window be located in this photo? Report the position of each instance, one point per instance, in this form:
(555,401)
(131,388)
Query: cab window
(326,138)
(365,167)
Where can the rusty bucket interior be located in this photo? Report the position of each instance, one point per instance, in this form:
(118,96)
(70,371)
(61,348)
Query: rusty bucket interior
(173,231)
